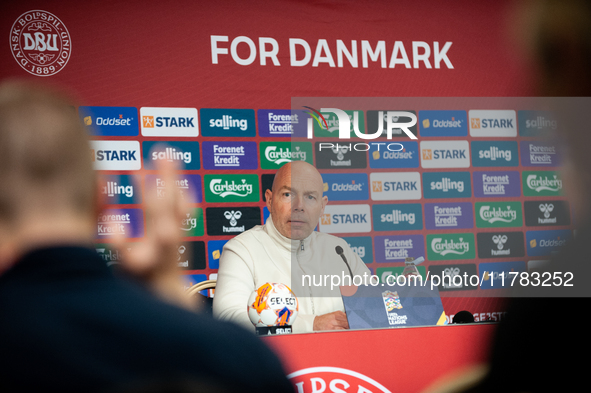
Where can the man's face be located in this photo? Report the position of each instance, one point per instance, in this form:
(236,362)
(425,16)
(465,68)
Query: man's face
(296,202)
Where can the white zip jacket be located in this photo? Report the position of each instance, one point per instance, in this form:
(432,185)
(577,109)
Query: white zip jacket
(262,255)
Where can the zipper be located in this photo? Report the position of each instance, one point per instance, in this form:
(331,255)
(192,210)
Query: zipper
(309,288)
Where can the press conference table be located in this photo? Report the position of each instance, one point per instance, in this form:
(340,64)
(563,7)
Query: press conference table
(380,360)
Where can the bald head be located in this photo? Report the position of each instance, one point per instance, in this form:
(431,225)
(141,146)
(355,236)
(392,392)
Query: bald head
(296,201)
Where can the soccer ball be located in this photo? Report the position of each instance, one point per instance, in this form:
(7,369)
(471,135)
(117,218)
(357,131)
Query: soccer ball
(272,304)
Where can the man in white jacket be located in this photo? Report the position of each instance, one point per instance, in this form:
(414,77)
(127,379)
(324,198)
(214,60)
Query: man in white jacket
(287,250)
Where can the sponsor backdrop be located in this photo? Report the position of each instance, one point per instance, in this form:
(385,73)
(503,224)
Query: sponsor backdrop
(477,193)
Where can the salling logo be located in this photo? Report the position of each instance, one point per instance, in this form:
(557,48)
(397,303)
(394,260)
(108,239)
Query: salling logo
(40,43)
(112,188)
(227,122)
(115,155)
(535,123)
(494,153)
(225,188)
(494,123)
(169,121)
(444,246)
(187,153)
(398,217)
(172,154)
(446,184)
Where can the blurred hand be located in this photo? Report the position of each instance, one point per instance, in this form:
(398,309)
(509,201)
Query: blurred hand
(155,259)
(336,320)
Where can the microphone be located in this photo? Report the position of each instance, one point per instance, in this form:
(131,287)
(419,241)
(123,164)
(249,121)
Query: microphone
(339,251)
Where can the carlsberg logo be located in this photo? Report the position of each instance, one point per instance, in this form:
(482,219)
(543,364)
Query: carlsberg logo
(281,156)
(444,247)
(544,183)
(491,214)
(230,188)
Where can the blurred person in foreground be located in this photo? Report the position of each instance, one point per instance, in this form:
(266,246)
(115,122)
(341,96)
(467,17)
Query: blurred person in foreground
(284,250)
(543,343)
(67,323)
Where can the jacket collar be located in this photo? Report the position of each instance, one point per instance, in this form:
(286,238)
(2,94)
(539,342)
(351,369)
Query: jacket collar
(285,242)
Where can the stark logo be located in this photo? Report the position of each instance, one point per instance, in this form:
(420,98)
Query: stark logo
(40,43)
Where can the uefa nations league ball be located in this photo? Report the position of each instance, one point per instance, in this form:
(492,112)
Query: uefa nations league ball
(272,304)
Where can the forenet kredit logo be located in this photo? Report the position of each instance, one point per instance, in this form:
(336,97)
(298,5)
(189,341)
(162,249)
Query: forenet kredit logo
(40,43)
(334,379)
